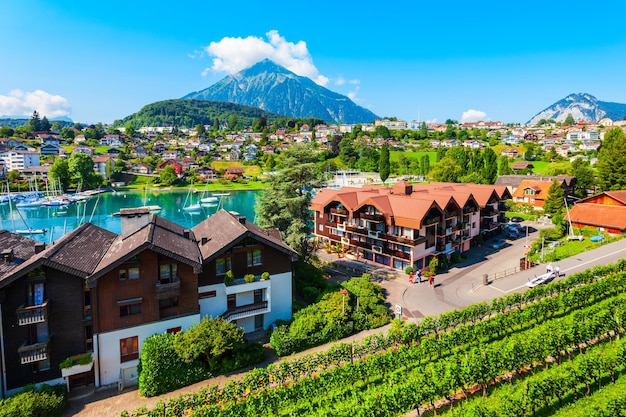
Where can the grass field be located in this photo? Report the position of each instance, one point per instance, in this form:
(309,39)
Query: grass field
(395,156)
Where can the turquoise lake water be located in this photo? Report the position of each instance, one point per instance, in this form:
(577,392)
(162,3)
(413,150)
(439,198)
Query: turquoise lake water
(99,211)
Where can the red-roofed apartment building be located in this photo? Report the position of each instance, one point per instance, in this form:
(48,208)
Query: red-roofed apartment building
(606,211)
(406,225)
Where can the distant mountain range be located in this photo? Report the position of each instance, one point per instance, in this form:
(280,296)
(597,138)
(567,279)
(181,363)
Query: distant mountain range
(581,106)
(273,88)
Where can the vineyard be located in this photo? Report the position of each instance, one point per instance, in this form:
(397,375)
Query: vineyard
(532,353)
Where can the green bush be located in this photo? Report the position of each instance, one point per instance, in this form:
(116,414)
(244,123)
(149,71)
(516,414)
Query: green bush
(408,270)
(229,278)
(455,257)
(310,294)
(42,401)
(171,361)
(248,278)
(336,315)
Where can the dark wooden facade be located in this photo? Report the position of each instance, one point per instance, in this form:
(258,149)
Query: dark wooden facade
(156,299)
(63,312)
(273,261)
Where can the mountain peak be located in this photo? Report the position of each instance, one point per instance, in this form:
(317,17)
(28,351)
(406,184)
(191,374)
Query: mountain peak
(582,106)
(274,88)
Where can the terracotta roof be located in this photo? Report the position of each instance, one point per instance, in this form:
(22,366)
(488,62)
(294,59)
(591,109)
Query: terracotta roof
(521,165)
(159,235)
(599,215)
(223,230)
(541,186)
(617,195)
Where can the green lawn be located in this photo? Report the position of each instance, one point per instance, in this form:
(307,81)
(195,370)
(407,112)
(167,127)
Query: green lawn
(414,155)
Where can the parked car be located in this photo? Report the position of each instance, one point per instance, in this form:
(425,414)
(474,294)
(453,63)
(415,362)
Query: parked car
(497,244)
(516,219)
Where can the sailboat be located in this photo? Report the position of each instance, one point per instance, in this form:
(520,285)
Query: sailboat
(151,208)
(189,206)
(28,230)
(207,199)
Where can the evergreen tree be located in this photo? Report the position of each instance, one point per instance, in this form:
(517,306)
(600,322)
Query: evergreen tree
(490,169)
(424,165)
(569,120)
(503,166)
(285,205)
(44,126)
(554,203)
(34,123)
(611,166)
(384,166)
(584,177)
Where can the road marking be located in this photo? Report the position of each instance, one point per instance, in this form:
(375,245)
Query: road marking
(595,259)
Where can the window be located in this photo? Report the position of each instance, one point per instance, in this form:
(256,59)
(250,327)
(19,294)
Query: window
(208,294)
(131,272)
(222,265)
(258,296)
(130,307)
(35,294)
(320,227)
(174,329)
(254,257)
(258,321)
(129,348)
(167,273)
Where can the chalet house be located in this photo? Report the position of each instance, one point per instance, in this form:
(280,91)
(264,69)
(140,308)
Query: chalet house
(605,211)
(177,166)
(103,165)
(100,293)
(509,152)
(10,142)
(143,169)
(511,140)
(512,182)
(23,147)
(114,141)
(140,151)
(407,225)
(84,149)
(79,139)
(535,192)
(170,154)
(233,173)
(229,242)
(206,173)
(50,149)
(521,165)
(159,147)
(588,145)
(48,138)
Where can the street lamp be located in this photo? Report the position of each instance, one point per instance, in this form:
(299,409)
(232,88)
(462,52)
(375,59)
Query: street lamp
(343,300)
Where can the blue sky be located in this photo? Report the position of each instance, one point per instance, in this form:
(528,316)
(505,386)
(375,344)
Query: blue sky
(98,61)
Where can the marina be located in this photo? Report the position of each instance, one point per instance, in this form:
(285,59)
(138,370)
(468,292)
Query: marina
(47,223)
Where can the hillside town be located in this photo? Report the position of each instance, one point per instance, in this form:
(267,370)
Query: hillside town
(102,294)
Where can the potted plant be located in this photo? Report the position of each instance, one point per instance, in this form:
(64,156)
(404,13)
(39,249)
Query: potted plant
(77,364)
(248,278)
(265,276)
(229,278)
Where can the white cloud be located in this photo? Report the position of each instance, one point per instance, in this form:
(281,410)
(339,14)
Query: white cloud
(19,103)
(340,81)
(472,115)
(234,54)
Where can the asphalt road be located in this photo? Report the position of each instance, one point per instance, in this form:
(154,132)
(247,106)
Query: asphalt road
(463,285)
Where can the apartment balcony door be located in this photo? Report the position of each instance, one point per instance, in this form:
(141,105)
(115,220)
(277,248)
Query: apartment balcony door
(231,301)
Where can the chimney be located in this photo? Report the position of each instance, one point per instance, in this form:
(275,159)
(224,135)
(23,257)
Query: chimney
(39,247)
(204,240)
(134,219)
(7,255)
(186,233)
(242,220)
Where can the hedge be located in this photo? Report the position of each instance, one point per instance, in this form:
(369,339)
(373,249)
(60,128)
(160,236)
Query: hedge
(41,401)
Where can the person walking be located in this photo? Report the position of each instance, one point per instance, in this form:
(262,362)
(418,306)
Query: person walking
(431,281)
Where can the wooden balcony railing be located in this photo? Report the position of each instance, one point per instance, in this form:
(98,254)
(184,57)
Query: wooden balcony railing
(167,290)
(32,314)
(33,353)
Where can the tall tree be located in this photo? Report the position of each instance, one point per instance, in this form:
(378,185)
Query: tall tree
(446,170)
(285,205)
(35,122)
(81,168)
(554,203)
(44,126)
(584,177)
(59,172)
(569,120)
(384,166)
(490,169)
(611,166)
(503,166)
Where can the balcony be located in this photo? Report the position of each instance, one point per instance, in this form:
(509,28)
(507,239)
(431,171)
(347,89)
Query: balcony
(432,220)
(33,353)
(339,211)
(247,310)
(167,290)
(400,254)
(373,217)
(32,314)
(240,285)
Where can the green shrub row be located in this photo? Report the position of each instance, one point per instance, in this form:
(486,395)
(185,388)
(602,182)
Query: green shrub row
(41,401)
(358,305)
